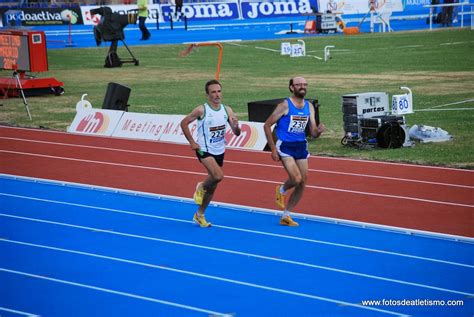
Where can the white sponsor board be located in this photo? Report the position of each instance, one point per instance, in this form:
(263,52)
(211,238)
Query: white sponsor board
(372,104)
(142,126)
(95,122)
(173,132)
(359,6)
(159,127)
(154,11)
(167,128)
(402,104)
(252,136)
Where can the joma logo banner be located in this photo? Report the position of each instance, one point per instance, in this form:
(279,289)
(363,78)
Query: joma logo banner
(205,10)
(253,10)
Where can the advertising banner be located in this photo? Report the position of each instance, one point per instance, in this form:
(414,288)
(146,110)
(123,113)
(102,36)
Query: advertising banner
(41,16)
(154,12)
(268,9)
(157,127)
(205,10)
(416,7)
(148,126)
(95,122)
(252,136)
(360,6)
(173,132)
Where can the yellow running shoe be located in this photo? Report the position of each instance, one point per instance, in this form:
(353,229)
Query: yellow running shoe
(279,198)
(201,220)
(287,221)
(199,194)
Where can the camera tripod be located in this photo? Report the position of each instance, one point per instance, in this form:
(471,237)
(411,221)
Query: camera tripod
(22,93)
(113,60)
(17,76)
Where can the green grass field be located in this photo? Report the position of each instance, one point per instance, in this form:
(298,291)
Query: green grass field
(438,66)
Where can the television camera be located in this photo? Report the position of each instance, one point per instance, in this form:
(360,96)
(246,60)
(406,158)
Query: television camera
(110,29)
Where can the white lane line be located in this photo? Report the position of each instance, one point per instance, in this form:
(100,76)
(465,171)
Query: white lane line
(241,178)
(236,44)
(395,179)
(243,163)
(317,57)
(251,209)
(237,162)
(449,109)
(266,153)
(267,49)
(9,310)
(245,254)
(212,277)
(452,103)
(106,290)
(411,46)
(454,43)
(412,165)
(245,230)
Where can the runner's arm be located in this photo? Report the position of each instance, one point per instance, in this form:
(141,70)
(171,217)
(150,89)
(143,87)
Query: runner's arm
(279,111)
(198,112)
(233,121)
(315,129)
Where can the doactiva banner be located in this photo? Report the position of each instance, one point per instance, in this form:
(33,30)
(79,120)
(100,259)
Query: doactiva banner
(42,16)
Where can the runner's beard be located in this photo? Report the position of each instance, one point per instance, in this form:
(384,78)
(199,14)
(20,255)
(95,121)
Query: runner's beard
(300,93)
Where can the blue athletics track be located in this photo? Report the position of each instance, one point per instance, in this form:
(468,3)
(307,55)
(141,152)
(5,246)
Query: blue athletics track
(94,226)
(223,31)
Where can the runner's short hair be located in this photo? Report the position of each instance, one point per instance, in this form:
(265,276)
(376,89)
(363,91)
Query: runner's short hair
(211,82)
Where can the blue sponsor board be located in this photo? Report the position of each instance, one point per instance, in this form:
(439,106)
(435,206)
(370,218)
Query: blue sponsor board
(269,9)
(205,11)
(415,7)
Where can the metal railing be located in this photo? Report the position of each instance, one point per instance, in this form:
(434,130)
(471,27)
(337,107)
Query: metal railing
(432,6)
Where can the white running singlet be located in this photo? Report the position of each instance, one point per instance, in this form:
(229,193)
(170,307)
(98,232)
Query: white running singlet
(211,129)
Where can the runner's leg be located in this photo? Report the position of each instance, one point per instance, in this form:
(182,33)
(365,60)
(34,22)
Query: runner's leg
(297,171)
(215,175)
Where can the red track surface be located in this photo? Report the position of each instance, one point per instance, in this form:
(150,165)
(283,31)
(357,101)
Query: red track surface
(409,196)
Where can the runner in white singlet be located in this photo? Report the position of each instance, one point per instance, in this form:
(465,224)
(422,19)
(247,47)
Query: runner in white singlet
(211,129)
(213,118)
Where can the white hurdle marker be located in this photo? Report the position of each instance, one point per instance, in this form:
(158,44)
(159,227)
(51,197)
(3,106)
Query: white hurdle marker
(327,53)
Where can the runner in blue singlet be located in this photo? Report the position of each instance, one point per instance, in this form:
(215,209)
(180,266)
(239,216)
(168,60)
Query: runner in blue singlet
(291,118)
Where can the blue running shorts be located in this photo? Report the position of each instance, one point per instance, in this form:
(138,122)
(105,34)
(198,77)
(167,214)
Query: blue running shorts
(297,150)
